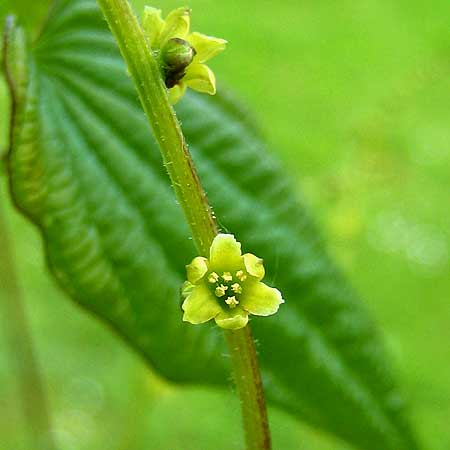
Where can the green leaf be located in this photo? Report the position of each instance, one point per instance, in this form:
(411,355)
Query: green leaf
(84,168)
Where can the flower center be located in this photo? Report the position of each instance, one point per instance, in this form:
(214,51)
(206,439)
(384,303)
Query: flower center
(227,286)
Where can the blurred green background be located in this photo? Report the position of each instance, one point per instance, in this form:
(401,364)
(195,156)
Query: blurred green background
(355,98)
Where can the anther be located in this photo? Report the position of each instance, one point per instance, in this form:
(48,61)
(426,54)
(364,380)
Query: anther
(220,290)
(236,287)
(213,277)
(231,302)
(226,276)
(240,275)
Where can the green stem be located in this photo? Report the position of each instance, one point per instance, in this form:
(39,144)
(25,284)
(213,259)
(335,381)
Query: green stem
(22,355)
(152,92)
(146,74)
(250,389)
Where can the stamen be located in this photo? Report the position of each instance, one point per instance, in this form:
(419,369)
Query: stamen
(236,287)
(227,277)
(213,277)
(232,302)
(241,276)
(220,290)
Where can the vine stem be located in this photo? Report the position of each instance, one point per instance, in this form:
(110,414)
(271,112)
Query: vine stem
(248,381)
(24,363)
(192,198)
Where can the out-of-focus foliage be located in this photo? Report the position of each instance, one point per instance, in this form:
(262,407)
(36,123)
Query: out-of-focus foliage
(376,169)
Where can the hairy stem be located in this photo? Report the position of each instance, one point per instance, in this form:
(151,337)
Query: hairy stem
(189,191)
(250,389)
(161,116)
(24,364)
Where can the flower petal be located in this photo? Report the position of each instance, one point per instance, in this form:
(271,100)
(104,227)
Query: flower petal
(176,26)
(176,92)
(205,46)
(197,269)
(200,78)
(200,306)
(186,289)
(152,24)
(254,266)
(260,299)
(225,254)
(233,319)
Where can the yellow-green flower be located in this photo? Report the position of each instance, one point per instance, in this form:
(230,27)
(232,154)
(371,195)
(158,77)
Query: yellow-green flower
(182,54)
(227,287)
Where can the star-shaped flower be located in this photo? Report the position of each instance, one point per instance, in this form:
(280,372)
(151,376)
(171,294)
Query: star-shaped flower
(227,287)
(182,54)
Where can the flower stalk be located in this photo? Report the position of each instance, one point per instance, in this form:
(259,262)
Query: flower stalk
(146,74)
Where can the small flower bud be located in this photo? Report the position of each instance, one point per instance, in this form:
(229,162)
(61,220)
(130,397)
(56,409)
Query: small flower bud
(176,55)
